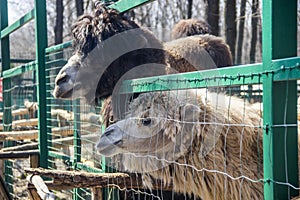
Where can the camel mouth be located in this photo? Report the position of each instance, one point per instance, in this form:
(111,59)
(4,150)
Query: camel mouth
(110,142)
(107,147)
(107,151)
(67,94)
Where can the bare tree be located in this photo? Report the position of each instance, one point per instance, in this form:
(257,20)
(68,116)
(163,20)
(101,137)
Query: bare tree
(255,14)
(189,9)
(241,32)
(79,7)
(230,25)
(213,14)
(58,28)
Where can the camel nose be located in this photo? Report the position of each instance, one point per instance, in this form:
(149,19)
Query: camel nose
(63,78)
(113,134)
(108,131)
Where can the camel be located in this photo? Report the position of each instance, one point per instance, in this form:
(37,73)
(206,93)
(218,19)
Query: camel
(199,142)
(107,45)
(189,27)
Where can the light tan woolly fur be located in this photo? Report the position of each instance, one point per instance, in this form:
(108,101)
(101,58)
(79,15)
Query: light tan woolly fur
(237,151)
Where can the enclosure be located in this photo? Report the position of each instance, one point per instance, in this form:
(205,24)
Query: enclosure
(56,139)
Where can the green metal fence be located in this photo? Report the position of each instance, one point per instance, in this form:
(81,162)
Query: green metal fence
(278,75)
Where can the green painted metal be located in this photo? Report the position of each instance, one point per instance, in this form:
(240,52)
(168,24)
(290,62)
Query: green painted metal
(77,192)
(237,75)
(7,115)
(9,73)
(31,66)
(59,47)
(77,140)
(41,44)
(125,5)
(82,166)
(18,24)
(60,156)
(280,142)
(15,60)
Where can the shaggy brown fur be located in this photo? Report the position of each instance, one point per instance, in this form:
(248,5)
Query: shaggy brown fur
(91,30)
(198,53)
(188,27)
(181,131)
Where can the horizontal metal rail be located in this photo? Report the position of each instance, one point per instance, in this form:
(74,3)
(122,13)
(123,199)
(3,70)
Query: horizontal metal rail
(122,5)
(283,69)
(18,24)
(58,47)
(16,60)
(29,67)
(19,70)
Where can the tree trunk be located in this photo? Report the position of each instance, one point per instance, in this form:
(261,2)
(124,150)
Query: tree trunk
(212,13)
(79,7)
(58,28)
(190,9)
(255,5)
(241,32)
(230,25)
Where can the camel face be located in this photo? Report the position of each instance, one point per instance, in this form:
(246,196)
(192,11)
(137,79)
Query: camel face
(158,124)
(139,129)
(65,81)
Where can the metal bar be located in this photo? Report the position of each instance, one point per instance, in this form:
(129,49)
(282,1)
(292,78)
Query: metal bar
(77,192)
(41,44)
(31,66)
(60,156)
(125,5)
(16,60)
(237,75)
(59,47)
(18,24)
(216,77)
(7,113)
(82,166)
(19,70)
(77,138)
(280,98)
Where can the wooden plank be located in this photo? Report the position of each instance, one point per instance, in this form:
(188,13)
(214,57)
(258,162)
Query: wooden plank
(63,180)
(23,122)
(57,131)
(34,161)
(18,154)
(18,112)
(4,194)
(56,143)
(33,195)
(97,193)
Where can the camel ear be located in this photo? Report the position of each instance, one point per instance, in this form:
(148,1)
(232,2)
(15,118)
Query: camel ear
(189,113)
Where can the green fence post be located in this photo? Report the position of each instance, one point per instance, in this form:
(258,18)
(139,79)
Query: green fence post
(41,44)
(7,115)
(279,101)
(77,192)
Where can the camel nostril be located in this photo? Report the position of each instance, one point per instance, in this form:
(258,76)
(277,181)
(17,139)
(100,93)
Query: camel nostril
(108,132)
(63,79)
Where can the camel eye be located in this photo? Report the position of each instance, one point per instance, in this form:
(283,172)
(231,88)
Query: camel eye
(146,121)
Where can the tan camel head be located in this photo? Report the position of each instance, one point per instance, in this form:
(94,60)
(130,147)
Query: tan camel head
(161,124)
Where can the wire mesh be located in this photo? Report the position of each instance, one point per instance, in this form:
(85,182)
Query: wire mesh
(23,131)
